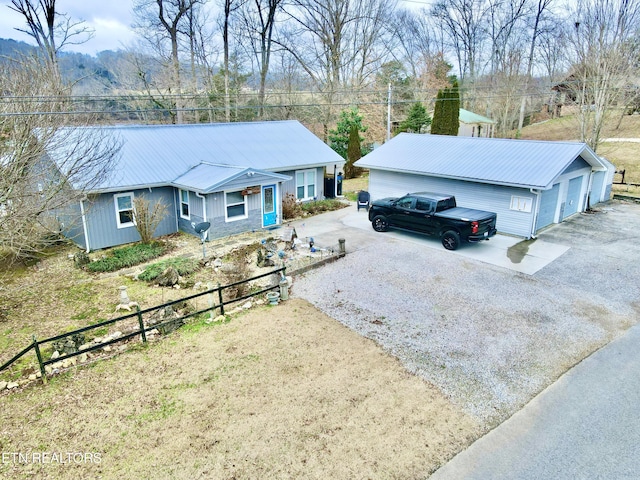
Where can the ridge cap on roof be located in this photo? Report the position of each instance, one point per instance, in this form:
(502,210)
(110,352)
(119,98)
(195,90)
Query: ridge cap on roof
(188,125)
(465,138)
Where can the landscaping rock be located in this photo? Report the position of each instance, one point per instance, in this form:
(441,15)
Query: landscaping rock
(3,385)
(169,317)
(32,376)
(168,278)
(55,355)
(12,385)
(69,344)
(247,306)
(84,357)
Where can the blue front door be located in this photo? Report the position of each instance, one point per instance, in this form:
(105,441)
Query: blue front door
(269,212)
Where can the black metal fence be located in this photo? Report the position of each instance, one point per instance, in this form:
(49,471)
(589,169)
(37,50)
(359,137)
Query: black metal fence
(137,317)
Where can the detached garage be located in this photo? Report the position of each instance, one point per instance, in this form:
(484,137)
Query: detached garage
(529,184)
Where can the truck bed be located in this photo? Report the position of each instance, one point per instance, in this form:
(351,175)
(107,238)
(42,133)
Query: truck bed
(465,214)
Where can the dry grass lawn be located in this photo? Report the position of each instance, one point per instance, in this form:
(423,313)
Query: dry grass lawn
(279,392)
(624,155)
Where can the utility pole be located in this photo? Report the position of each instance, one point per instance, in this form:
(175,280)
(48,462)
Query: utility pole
(389,113)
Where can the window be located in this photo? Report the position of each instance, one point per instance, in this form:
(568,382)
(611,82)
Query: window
(423,205)
(405,202)
(235,206)
(124,210)
(306,184)
(184,204)
(521,204)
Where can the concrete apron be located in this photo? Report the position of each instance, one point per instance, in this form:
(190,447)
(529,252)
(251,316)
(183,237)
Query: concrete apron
(513,253)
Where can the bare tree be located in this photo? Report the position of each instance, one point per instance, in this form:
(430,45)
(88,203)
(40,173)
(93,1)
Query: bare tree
(259,20)
(160,21)
(604,42)
(366,49)
(51,29)
(537,24)
(336,43)
(229,8)
(417,43)
(47,163)
(504,16)
(148,216)
(465,24)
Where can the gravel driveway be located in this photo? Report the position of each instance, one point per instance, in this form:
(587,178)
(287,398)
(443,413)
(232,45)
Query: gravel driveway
(490,338)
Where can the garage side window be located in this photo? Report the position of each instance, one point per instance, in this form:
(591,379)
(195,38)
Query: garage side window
(235,206)
(521,204)
(124,210)
(305,184)
(184,204)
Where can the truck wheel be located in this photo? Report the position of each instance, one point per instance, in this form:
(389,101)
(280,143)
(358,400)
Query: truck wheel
(380,224)
(450,240)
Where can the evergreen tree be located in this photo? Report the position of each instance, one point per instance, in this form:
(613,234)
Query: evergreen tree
(437,124)
(339,137)
(354,153)
(416,119)
(454,114)
(446,115)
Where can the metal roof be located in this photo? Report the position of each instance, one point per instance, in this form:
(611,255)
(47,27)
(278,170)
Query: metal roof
(519,163)
(159,154)
(465,116)
(207,178)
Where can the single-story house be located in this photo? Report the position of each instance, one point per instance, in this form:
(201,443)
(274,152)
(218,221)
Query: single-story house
(232,175)
(529,184)
(474,125)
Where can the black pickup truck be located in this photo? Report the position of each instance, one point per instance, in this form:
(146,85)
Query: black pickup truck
(433,214)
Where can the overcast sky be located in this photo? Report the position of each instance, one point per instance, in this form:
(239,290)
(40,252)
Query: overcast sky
(111,20)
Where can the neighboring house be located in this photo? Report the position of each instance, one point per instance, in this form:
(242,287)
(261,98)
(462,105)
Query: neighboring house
(529,184)
(474,125)
(233,175)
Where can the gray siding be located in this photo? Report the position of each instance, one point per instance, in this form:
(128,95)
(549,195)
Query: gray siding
(101,218)
(71,224)
(492,198)
(290,186)
(195,212)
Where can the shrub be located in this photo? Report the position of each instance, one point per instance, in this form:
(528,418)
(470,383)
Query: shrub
(128,257)
(290,207)
(320,206)
(183,266)
(148,217)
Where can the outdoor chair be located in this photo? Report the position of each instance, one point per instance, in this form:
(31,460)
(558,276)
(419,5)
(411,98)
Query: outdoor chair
(364,200)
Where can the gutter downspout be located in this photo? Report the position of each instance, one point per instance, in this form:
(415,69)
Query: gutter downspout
(204,211)
(587,205)
(537,193)
(84,224)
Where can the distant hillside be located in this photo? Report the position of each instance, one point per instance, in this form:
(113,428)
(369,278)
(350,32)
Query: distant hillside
(87,74)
